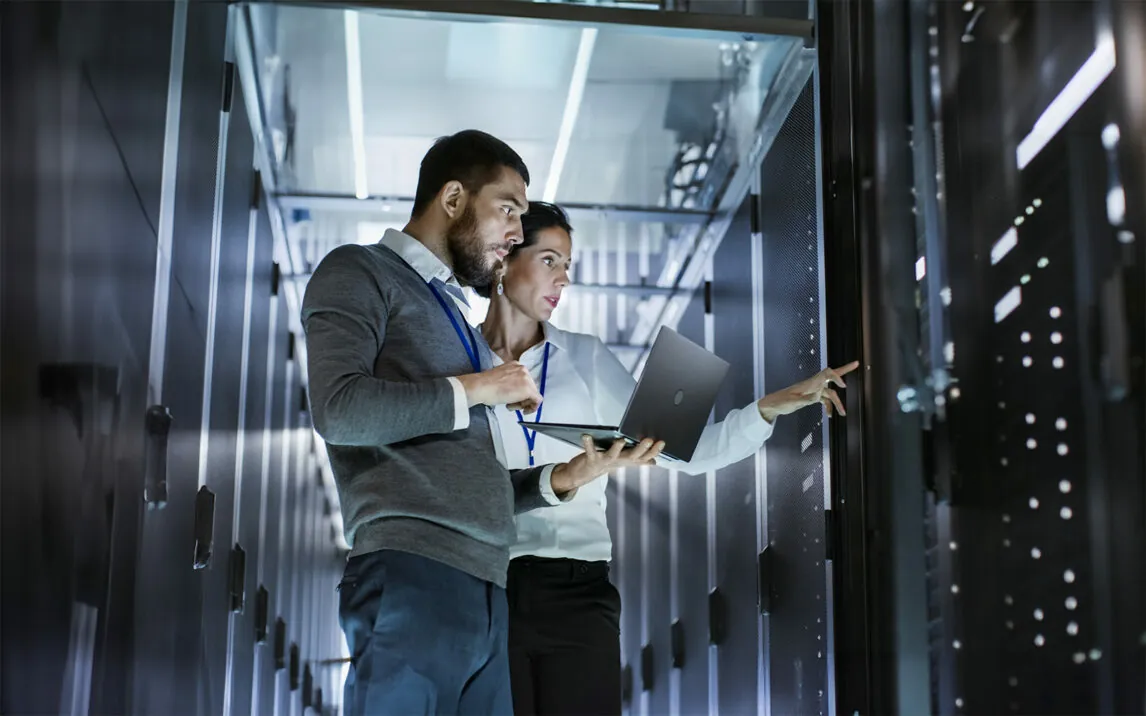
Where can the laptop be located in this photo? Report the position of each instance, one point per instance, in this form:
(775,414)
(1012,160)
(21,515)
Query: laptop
(672,401)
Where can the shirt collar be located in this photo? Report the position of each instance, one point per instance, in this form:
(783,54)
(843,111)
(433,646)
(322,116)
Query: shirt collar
(553,335)
(420,258)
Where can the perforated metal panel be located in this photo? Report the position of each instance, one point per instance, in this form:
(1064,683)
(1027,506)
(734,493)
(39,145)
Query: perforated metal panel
(106,165)
(799,623)
(1035,549)
(723,658)
(1050,559)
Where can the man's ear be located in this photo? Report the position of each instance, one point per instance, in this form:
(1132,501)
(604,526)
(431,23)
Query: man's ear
(452,198)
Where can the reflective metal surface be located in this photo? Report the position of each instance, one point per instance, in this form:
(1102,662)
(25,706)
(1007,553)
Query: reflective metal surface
(609,116)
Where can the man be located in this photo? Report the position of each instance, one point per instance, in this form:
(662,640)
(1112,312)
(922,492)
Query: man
(399,394)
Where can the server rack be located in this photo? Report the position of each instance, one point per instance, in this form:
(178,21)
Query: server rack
(143,567)
(929,540)
(1017,342)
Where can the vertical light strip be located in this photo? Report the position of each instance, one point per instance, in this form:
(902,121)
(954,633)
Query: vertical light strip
(572,109)
(568,318)
(710,527)
(284,495)
(1088,79)
(763,647)
(602,309)
(241,443)
(165,233)
(294,611)
(621,562)
(645,248)
(213,286)
(622,279)
(310,531)
(297,535)
(587,320)
(318,650)
(264,487)
(674,580)
(645,551)
(643,251)
(354,98)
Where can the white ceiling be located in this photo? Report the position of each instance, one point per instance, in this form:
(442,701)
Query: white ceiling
(423,79)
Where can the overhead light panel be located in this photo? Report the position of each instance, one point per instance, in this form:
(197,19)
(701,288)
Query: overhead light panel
(354,97)
(572,109)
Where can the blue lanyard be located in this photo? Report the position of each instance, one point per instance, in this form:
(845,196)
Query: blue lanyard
(531,435)
(471,344)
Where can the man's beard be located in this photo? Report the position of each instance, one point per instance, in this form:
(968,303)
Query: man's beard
(468,251)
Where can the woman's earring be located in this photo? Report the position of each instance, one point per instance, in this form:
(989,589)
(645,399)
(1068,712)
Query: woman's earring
(500,287)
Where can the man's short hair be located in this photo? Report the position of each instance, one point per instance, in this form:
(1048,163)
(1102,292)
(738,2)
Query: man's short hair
(471,157)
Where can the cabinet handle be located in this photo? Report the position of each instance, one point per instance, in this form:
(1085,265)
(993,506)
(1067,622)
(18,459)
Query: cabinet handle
(158,426)
(238,587)
(204,527)
(262,614)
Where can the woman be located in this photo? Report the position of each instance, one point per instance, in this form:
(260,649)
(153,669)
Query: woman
(564,612)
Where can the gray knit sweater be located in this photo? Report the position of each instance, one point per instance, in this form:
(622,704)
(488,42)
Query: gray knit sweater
(380,348)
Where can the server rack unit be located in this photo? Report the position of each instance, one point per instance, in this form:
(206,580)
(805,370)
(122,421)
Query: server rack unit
(1046,437)
(154,436)
(747,626)
(1017,348)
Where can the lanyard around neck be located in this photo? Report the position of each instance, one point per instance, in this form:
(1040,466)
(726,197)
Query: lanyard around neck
(531,435)
(469,344)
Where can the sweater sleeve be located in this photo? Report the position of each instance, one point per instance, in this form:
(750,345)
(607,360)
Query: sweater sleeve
(344,318)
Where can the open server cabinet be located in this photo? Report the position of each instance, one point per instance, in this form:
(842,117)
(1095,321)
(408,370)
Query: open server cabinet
(924,201)
(689,162)
(984,177)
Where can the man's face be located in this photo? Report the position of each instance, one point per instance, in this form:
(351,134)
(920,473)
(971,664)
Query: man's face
(487,228)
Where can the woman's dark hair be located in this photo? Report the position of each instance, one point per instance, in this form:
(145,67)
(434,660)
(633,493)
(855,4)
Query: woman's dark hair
(541,215)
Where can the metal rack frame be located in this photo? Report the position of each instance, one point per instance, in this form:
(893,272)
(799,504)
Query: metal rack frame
(703,231)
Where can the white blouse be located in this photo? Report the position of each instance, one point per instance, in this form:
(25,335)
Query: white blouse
(587,384)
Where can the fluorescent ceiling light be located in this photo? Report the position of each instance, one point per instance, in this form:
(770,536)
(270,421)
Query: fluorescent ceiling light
(572,108)
(354,96)
(1088,79)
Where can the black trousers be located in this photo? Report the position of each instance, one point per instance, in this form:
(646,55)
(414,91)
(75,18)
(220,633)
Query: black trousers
(564,638)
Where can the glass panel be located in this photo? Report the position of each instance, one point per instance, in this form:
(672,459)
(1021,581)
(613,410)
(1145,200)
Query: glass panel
(641,119)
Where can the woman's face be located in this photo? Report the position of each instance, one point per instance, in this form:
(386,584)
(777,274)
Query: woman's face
(536,275)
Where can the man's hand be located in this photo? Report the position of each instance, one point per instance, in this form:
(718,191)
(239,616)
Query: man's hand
(508,384)
(813,391)
(593,463)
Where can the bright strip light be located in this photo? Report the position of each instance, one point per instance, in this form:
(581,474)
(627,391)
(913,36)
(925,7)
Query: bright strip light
(354,96)
(572,108)
(1004,245)
(1088,79)
(1008,303)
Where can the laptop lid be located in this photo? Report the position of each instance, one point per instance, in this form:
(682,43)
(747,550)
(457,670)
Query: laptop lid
(671,402)
(675,394)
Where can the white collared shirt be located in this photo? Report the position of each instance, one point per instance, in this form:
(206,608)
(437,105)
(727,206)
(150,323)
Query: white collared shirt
(430,267)
(587,384)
